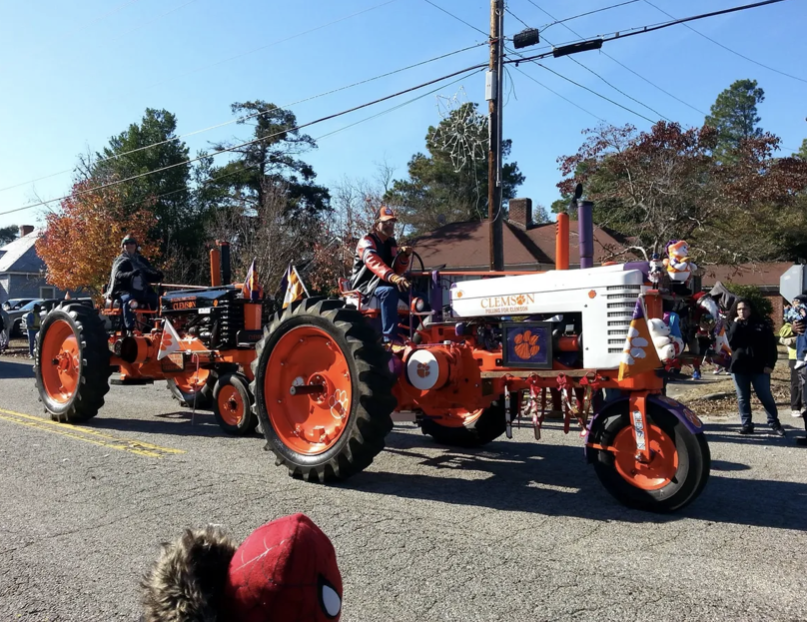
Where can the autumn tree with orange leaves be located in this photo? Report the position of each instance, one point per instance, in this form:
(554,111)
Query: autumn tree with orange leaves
(82,240)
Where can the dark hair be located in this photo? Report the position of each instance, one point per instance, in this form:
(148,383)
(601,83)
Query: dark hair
(748,303)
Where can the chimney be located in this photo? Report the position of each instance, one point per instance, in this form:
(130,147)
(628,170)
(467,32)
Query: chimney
(25,230)
(521,213)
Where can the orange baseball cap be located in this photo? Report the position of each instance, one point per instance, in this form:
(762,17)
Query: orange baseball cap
(385,213)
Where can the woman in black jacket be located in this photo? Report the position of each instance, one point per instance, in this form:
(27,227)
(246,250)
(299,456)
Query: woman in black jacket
(753,357)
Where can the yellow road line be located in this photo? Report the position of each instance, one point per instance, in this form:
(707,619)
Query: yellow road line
(139,448)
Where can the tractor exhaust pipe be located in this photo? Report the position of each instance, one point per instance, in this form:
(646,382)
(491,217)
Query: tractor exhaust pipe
(226,275)
(562,243)
(586,233)
(215,267)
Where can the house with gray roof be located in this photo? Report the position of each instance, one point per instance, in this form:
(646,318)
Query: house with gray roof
(22,271)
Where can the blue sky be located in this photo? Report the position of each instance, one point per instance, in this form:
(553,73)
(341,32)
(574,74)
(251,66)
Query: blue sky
(76,73)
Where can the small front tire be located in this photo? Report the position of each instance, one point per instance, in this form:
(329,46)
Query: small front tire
(677,473)
(232,405)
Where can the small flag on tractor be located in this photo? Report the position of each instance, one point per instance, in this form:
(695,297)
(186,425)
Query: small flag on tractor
(252,289)
(639,354)
(169,342)
(293,284)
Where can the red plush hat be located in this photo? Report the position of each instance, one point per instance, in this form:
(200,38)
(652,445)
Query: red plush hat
(287,567)
(284,571)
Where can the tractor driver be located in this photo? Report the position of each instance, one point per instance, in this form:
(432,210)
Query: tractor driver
(378,267)
(130,279)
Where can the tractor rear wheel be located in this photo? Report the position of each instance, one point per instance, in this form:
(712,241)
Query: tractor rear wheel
(463,428)
(323,390)
(232,405)
(677,472)
(72,363)
(193,389)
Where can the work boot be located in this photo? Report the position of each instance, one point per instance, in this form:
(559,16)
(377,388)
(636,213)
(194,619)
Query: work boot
(747,429)
(779,430)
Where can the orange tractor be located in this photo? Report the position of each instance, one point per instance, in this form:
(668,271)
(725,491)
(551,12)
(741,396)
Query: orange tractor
(479,356)
(201,341)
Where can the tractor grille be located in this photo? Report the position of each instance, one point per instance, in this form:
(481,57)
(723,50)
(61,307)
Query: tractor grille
(621,303)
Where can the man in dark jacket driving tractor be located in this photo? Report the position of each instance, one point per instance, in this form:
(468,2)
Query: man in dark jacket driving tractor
(131,275)
(378,269)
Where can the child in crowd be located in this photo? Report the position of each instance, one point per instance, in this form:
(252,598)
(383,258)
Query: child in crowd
(798,311)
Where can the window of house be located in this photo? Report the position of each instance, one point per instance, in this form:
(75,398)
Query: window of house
(47,292)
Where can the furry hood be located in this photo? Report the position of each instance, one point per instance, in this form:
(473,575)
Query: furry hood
(187,582)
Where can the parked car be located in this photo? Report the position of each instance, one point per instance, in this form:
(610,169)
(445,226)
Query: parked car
(46,305)
(17,313)
(18,319)
(15,303)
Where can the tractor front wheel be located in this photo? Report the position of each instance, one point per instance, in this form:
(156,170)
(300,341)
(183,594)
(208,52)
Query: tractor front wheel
(323,390)
(72,363)
(232,405)
(674,477)
(464,428)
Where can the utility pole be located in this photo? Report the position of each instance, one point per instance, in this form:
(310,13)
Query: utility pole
(493,89)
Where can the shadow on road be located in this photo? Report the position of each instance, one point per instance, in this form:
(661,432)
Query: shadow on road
(555,480)
(179,423)
(15,371)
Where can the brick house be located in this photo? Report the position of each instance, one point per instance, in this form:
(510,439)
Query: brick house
(465,247)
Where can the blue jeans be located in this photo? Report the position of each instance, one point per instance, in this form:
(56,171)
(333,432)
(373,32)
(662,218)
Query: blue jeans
(801,346)
(32,341)
(762,387)
(388,297)
(147,297)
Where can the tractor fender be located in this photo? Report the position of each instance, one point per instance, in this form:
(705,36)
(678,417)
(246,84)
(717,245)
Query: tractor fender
(690,420)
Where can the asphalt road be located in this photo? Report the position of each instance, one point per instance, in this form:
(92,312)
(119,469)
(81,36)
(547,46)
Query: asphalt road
(521,531)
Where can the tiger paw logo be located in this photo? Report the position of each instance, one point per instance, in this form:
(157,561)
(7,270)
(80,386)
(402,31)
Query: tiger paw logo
(520,301)
(527,345)
(339,404)
(167,342)
(424,370)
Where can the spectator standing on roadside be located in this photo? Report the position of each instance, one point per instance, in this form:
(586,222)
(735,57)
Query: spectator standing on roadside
(32,322)
(799,327)
(5,330)
(788,339)
(753,357)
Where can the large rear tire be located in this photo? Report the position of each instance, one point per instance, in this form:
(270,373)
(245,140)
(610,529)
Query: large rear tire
(478,428)
(323,390)
(72,363)
(676,474)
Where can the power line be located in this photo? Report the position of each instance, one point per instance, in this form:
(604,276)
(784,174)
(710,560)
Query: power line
(317,139)
(467,70)
(638,75)
(574,32)
(638,114)
(728,48)
(568,19)
(590,70)
(251,116)
(459,19)
(643,30)
(526,25)
(572,102)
